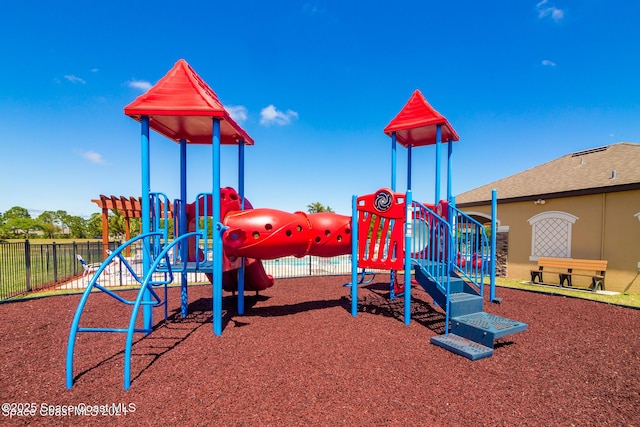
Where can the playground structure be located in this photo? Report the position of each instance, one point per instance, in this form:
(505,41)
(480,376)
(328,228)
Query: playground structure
(221,234)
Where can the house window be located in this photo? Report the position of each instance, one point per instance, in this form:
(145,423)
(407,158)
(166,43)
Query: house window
(551,235)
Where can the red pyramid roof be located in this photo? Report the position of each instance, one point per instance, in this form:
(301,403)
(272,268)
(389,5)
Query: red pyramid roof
(181,105)
(416,123)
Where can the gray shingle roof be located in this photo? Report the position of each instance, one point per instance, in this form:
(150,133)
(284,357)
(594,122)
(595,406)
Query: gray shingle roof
(609,168)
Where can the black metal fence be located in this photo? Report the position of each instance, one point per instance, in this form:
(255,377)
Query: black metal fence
(27,267)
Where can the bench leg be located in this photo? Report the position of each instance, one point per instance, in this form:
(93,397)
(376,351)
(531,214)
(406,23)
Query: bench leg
(597,283)
(565,278)
(535,274)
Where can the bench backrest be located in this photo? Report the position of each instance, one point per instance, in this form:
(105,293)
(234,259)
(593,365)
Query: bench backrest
(573,263)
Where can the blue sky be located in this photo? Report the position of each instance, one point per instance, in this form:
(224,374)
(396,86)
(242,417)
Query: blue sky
(314,83)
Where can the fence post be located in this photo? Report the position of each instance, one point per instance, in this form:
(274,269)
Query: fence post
(27,263)
(55,263)
(46,256)
(75,257)
(494,231)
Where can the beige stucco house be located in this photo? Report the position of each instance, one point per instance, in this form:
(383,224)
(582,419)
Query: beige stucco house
(582,205)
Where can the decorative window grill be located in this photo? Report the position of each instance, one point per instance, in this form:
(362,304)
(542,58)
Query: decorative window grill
(551,234)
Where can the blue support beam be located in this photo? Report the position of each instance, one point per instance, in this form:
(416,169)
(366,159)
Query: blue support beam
(494,231)
(407,258)
(182,221)
(409,164)
(438,168)
(146,209)
(393,161)
(354,255)
(217,231)
(241,191)
(449,170)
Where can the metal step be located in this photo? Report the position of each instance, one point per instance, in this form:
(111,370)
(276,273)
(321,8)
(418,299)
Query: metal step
(484,328)
(462,304)
(456,285)
(462,346)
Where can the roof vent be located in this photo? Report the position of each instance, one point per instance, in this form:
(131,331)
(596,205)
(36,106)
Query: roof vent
(613,174)
(591,151)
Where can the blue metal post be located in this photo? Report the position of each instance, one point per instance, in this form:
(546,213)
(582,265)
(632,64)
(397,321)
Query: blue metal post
(494,231)
(450,217)
(407,258)
(409,162)
(454,242)
(241,191)
(354,256)
(393,161)
(217,237)
(146,211)
(438,147)
(182,220)
(449,171)
(241,145)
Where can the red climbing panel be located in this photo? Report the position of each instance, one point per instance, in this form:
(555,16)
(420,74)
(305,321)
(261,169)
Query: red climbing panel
(381,220)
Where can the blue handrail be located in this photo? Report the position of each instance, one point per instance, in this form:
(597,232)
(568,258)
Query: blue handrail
(431,250)
(472,248)
(430,244)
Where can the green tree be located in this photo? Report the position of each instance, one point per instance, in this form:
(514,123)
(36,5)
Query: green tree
(77,226)
(49,230)
(135,226)
(18,222)
(16,212)
(93,226)
(318,207)
(4,231)
(50,223)
(117,224)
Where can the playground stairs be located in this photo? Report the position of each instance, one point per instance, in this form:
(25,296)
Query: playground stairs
(473,331)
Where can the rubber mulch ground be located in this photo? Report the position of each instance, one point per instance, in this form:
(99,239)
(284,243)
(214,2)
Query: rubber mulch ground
(298,358)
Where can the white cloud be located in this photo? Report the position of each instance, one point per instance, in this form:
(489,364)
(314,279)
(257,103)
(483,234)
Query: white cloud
(93,157)
(553,12)
(237,113)
(548,63)
(94,70)
(270,115)
(74,79)
(557,14)
(141,85)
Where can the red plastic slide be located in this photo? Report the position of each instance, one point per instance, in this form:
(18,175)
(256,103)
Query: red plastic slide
(255,277)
